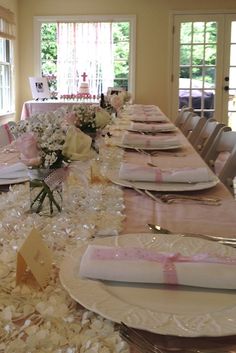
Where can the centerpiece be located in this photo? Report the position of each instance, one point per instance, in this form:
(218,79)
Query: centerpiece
(90,119)
(118,101)
(40,141)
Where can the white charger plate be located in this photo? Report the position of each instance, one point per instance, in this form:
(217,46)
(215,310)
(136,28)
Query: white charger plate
(13,181)
(153,186)
(173,147)
(179,310)
(160,130)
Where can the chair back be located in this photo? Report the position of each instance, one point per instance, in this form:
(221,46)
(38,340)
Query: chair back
(182,115)
(223,145)
(206,136)
(228,172)
(192,126)
(185,116)
(6,136)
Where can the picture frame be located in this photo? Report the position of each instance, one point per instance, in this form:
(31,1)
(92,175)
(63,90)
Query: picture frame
(39,88)
(114,90)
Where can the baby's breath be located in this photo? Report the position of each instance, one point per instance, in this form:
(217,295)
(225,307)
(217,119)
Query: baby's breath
(50,136)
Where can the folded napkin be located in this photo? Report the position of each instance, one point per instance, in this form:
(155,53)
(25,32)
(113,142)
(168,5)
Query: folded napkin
(14,171)
(140,265)
(136,172)
(152,127)
(146,141)
(157,117)
(77,145)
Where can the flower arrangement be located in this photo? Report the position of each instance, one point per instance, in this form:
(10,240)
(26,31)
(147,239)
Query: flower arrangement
(40,141)
(117,101)
(88,118)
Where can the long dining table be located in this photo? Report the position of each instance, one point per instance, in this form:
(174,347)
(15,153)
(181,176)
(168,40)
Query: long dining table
(74,315)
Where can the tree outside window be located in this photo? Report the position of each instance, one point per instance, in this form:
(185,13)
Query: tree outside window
(120,52)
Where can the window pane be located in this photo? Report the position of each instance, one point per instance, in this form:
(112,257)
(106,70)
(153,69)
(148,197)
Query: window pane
(198,32)
(198,55)
(211,32)
(6,87)
(121,50)
(233,54)
(210,55)
(232,77)
(186,32)
(185,54)
(233,32)
(184,73)
(210,76)
(78,58)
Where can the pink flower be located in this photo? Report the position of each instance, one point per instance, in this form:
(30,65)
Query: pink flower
(27,145)
(116,101)
(71,118)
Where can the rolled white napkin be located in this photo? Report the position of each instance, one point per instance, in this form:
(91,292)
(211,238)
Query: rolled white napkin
(146,141)
(136,172)
(157,117)
(14,171)
(152,127)
(140,265)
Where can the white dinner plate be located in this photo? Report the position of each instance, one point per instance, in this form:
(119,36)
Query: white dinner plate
(160,130)
(13,181)
(154,186)
(174,310)
(150,148)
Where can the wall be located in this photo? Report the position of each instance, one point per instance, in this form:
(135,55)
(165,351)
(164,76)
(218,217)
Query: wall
(153,33)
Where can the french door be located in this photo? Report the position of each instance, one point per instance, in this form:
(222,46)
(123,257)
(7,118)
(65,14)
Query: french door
(204,66)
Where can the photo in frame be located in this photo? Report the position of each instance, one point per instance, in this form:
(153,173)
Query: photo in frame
(39,88)
(114,90)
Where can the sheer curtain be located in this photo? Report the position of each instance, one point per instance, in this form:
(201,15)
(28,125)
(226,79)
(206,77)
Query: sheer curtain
(84,47)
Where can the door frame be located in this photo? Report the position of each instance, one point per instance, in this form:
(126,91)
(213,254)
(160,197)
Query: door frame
(224,29)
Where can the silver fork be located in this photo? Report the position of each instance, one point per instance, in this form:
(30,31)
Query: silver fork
(170,198)
(145,345)
(139,341)
(156,228)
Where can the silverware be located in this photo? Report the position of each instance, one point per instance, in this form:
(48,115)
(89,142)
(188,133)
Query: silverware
(222,240)
(147,192)
(140,342)
(144,345)
(173,198)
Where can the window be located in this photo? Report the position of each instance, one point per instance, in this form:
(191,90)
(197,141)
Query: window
(103,48)
(7,36)
(6,76)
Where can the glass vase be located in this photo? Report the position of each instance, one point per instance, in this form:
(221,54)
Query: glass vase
(45,192)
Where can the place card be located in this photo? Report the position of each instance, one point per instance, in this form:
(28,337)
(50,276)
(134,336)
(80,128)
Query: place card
(34,259)
(96,177)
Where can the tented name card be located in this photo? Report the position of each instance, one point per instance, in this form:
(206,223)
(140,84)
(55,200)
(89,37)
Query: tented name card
(34,259)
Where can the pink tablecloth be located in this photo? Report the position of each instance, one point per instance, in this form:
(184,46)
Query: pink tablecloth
(180,218)
(34,107)
(185,216)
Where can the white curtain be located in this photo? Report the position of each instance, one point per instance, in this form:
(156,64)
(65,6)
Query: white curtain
(84,47)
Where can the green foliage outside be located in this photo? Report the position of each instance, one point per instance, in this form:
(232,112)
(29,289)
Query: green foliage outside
(121,35)
(198,49)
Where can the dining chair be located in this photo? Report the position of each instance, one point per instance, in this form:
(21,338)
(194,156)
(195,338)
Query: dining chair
(182,116)
(228,172)
(220,150)
(193,126)
(206,136)
(6,136)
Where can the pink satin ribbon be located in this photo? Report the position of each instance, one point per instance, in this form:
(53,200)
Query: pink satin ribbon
(168,260)
(56,177)
(9,135)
